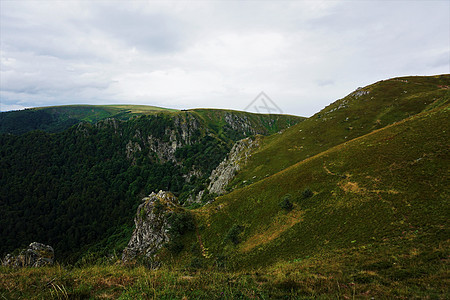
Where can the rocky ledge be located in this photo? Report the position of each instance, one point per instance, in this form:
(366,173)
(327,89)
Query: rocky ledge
(36,255)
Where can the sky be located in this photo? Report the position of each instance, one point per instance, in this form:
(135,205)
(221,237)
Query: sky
(303,55)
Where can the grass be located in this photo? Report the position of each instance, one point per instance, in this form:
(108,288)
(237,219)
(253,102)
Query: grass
(379,271)
(387,102)
(390,184)
(94,113)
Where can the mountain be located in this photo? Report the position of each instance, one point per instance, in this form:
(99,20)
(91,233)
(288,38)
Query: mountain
(372,203)
(79,187)
(351,202)
(362,111)
(388,187)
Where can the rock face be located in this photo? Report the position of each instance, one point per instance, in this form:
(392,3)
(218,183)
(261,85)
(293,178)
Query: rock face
(36,255)
(151,223)
(240,123)
(180,135)
(226,170)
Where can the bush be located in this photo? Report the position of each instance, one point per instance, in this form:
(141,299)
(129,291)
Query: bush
(307,194)
(233,234)
(175,245)
(143,213)
(288,197)
(158,207)
(207,197)
(180,223)
(286,204)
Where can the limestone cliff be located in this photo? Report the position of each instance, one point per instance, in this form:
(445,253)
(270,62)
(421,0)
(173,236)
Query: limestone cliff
(179,132)
(222,175)
(152,225)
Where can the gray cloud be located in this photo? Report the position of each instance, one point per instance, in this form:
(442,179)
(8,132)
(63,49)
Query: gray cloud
(303,54)
(325,82)
(148,31)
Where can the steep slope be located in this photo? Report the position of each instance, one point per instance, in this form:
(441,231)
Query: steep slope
(385,193)
(361,112)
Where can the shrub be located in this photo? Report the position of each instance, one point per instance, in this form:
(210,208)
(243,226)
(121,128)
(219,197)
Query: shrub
(207,197)
(286,204)
(288,197)
(158,207)
(180,223)
(307,194)
(142,212)
(175,245)
(233,234)
(195,249)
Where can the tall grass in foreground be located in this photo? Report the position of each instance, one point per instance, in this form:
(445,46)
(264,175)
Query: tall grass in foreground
(344,274)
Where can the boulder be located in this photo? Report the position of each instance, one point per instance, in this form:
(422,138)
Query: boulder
(36,255)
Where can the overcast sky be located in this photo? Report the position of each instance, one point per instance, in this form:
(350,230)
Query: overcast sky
(219,54)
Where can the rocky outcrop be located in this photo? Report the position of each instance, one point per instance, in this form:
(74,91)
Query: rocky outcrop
(36,255)
(131,148)
(152,225)
(359,92)
(227,169)
(179,135)
(240,123)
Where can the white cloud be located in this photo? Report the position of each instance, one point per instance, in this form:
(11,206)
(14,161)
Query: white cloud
(303,54)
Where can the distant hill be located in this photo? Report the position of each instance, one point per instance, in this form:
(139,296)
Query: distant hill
(58,118)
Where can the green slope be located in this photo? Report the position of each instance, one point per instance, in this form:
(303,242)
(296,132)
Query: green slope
(359,113)
(389,188)
(58,118)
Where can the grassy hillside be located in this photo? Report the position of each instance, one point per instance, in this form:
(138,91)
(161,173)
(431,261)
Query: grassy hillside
(58,118)
(332,276)
(382,198)
(93,113)
(359,113)
(376,226)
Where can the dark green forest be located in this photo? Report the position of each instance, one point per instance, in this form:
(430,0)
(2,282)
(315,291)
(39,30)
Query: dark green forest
(19,122)
(77,190)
